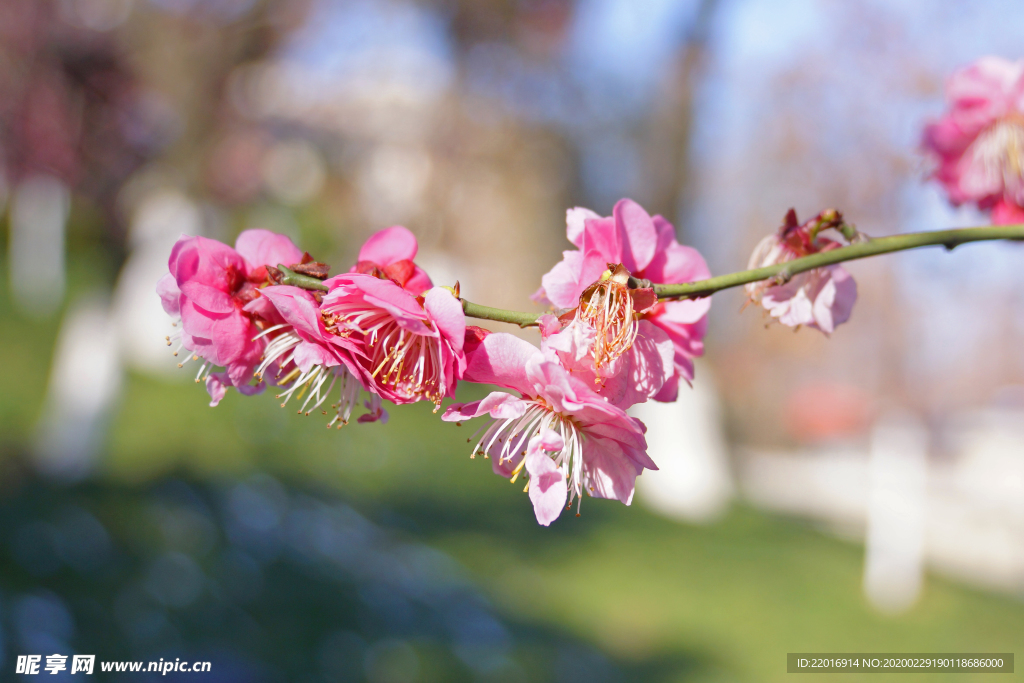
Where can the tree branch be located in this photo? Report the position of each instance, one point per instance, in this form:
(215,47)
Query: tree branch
(874,247)
(695,290)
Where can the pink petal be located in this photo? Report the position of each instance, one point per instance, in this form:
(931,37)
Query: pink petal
(1004,213)
(419,282)
(649,364)
(638,238)
(844,295)
(376,411)
(217,384)
(497,404)
(240,367)
(677,263)
(945,137)
(548,325)
(266,248)
(564,283)
(262,307)
(308,354)
(683,311)
(552,383)
(983,91)
(298,308)
(206,263)
(666,234)
(167,290)
(669,390)
(789,303)
(399,303)
(446,312)
(686,338)
(575,221)
(501,359)
(389,245)
(608,471)
(206,297)
(548,489)
(601,235)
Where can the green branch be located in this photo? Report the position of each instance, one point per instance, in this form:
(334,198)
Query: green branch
(290,277)
(500,315)
(781,272)
(874,247)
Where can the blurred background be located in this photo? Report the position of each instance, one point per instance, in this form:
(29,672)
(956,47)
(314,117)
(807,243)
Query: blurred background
(861,493)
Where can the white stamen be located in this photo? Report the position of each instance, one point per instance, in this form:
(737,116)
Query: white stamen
(506,439)
(406,362)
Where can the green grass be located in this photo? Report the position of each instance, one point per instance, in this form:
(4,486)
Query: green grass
(741,593)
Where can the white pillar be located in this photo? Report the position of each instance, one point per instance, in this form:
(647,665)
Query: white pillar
(85,380)
(686,441)
(897,506)
(39,212)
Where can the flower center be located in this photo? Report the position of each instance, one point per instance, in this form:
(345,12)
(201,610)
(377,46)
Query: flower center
(408,363)
(607,306)
(506,440)
(999,152)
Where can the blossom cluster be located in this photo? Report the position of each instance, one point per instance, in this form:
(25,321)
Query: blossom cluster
(616,332)
(382,332)
(978,145)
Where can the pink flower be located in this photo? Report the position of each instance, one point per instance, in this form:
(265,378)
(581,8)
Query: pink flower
(307,358)
(408,348)
(822,298)
(389,254)
(634,377)
(979,143)
(599,449)
(648,250)
(215,290)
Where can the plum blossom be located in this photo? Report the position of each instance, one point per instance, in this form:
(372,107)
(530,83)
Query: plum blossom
(634,377)
(308,356)
(407,348)
(594,446)
(216,292)
(389,254)
(979,143)
(822,298)
(647,249)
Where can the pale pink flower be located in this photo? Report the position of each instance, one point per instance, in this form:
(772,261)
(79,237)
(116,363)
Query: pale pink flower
(648,250)
(308,360)
(979,143)
(215,290)
(600,449)
(408,348)
(389,254)
(822,298)
(635,376)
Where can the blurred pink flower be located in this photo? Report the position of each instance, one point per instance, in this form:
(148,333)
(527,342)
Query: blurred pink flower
(648,249)
(602,449)
(304,354)
(408,348)
(389,254)
(979,143)
(822,298)
(215,290)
